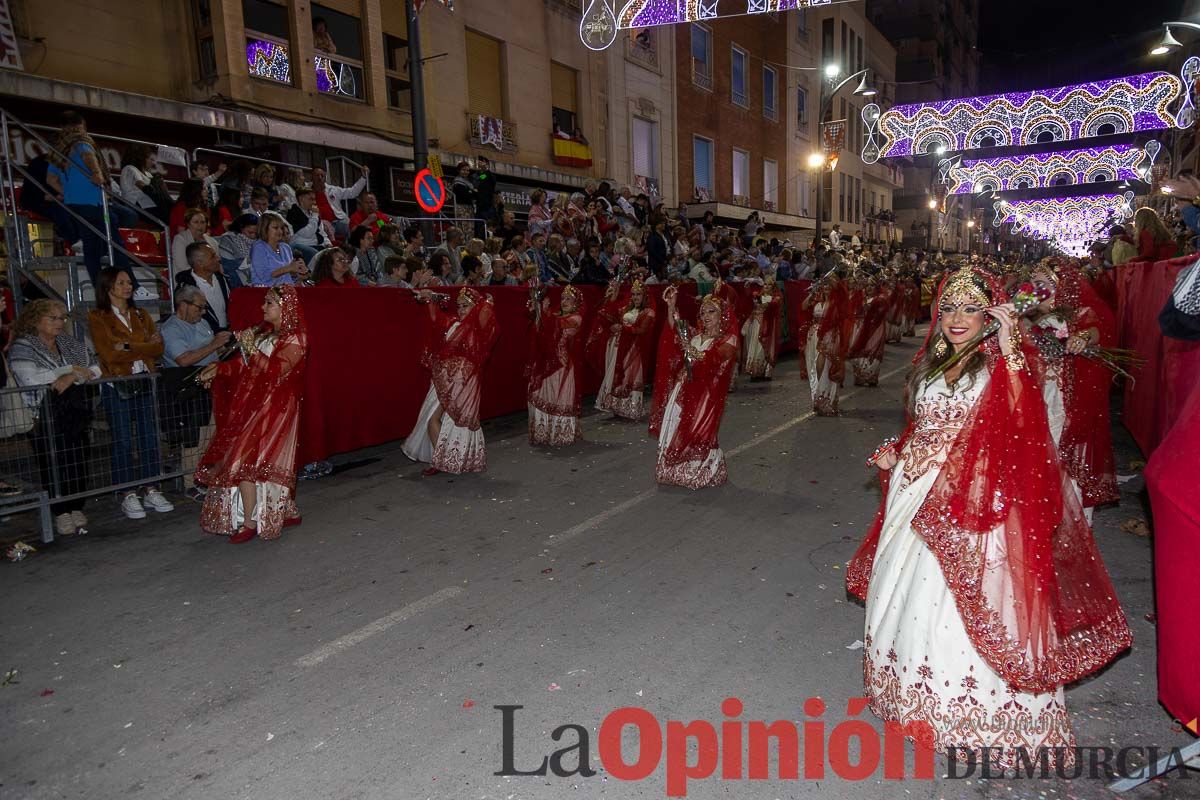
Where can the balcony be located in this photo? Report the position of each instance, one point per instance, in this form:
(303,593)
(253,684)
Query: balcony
(702,74)
(484,131)
(643,48)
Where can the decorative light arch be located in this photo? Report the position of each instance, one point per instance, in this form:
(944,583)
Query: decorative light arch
(1136,102)
(1118,162)
(602,19)
(1070,223)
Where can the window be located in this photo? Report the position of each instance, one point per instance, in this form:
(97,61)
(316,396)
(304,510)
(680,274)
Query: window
(395,61)
(202,25)
(563,82)
(268,48)
(827,41)
(340,75)
(857,200)
(770,184)
(737,77)
(770,110)
(741,173)
(801,25)
(801,106)
(805,192)
(485,76)
(702,56)
(643,46)
(842,196)
(702,165)
(645,148)
(844,52)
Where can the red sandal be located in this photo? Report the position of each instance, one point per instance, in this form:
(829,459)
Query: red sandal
(243,535)
(429,472)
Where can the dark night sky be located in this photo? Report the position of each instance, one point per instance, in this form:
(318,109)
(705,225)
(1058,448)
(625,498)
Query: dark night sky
(1028,44)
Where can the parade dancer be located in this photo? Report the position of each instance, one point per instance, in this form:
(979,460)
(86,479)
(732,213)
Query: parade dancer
(695,365)
(866,347)
(555,370)
(621,348)
(760,334)
(976,531)
(447,435)
(249,467)
(825,350)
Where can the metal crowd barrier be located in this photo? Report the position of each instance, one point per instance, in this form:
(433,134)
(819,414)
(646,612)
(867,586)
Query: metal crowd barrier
(97,438)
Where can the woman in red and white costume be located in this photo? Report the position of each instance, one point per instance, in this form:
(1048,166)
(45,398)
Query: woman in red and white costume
(985,593)
(447,435)
(690,385)
(866,346)
(555,371)
(825,351)
(250,465)
(621,346)
(1076,387)
(760,334)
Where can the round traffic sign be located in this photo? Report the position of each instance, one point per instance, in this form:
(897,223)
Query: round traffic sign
(430,191)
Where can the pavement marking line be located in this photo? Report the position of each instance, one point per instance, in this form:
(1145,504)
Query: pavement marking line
(637,499)
(378,626)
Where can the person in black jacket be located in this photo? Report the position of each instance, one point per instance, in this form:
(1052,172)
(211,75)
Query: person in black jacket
(205,274)
(485,193)
(658,249)
(591,271)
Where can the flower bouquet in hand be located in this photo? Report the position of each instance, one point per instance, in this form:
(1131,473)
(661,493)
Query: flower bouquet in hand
(1054,344)
(1026,298)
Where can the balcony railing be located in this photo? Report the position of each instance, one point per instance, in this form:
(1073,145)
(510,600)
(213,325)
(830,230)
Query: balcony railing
(643,50)
(485,131)
(702,74)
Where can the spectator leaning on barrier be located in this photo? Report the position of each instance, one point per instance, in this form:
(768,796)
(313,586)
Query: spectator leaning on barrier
(205,274)
(272,262)
(43,353)
(127,343)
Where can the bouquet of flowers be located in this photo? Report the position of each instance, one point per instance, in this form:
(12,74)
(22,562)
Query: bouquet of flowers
(1026,298)
(1052,343)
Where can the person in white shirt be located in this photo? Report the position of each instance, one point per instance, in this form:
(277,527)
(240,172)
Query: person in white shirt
(196,231)
(835,237)
(308,234)
(329,199)
(136,173)
(205,274)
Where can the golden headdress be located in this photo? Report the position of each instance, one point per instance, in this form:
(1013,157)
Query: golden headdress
(962,288)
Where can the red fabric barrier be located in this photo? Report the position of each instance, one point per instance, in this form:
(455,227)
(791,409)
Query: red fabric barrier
(1171,479)
(1172,368)
(365,383)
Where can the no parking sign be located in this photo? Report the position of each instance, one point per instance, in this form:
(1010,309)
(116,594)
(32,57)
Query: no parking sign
(430,191)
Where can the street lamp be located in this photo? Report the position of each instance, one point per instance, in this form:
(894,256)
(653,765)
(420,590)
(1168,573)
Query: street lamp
(970,230)
(828,91)
(816,160)
(1169,43)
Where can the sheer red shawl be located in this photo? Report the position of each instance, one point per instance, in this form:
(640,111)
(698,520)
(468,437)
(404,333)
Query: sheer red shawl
(1040,608)
(804,321)
(871,335)
(556,343)
(1086,442)
(768,326)
(832,334)
(455,360)
(634,345)
(257,408)
(702,398)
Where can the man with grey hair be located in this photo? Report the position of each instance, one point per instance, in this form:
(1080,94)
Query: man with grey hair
(188,338)
(205,274)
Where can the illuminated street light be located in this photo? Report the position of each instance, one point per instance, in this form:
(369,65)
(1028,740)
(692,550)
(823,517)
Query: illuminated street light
(865,89)
(816,160)
(932,204)
(970,223)
(832,70)
(1166,44)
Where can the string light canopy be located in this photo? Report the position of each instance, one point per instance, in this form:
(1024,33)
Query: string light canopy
(1069,223)
(1121,162)
(602,19)
(1065,113)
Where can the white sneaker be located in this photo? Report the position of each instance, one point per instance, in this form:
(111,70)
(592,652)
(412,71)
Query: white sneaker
(154,498)
(79,521)
(132,506)
(64,525)
(142,293)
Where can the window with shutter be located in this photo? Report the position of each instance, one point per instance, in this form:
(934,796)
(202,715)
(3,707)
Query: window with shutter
(645,151)
(485,75)
(702,163)
(741,173)
(770,183)
(563,82)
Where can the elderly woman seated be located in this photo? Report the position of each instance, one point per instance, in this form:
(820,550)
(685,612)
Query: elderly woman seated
(43,353)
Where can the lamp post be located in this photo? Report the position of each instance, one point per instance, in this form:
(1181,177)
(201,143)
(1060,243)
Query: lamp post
(970,230)
(933,204)
(1168,43)
(829,90)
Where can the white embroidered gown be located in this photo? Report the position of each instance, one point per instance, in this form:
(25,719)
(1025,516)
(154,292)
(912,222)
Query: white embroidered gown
(457,450)
(918,661)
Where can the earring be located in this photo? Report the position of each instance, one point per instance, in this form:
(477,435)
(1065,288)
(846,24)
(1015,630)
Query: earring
(940,347)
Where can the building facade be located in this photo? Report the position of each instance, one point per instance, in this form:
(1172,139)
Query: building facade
(936,59)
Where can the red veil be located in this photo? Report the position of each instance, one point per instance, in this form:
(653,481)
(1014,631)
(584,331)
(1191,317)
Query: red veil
(257,408)
(455,361)
(832,333)
(869,341)
(556,343)
(768,328)
(634,345)
(1038,604)
(1086,443)
(702,398)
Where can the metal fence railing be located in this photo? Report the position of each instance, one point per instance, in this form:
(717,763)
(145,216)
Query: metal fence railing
(57,449)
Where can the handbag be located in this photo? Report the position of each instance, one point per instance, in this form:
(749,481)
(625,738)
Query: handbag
(1180,317)
(16,418)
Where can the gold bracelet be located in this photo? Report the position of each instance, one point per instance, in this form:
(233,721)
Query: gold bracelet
(1015,362)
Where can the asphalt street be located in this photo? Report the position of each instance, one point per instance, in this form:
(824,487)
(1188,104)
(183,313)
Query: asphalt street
(362,655)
